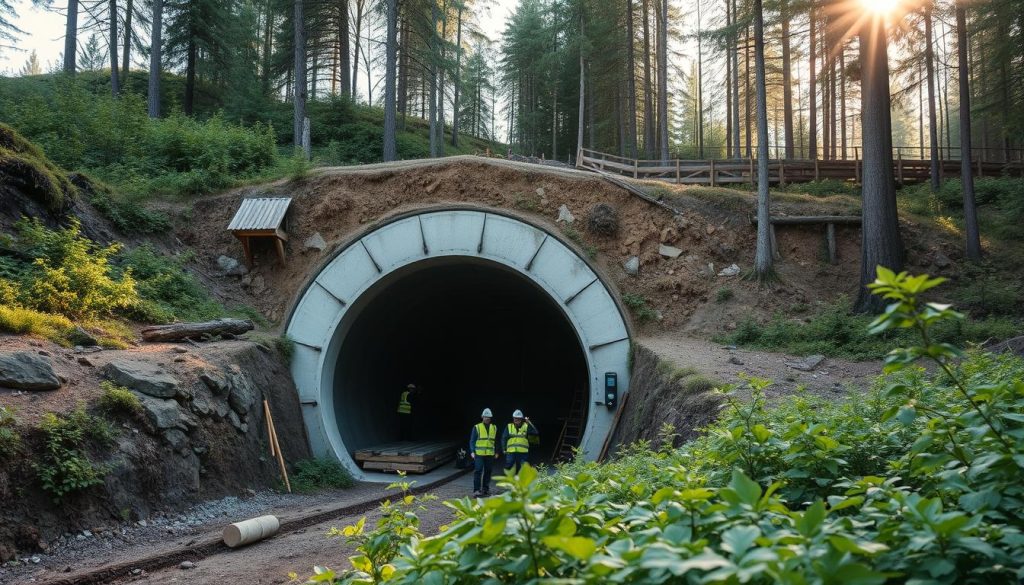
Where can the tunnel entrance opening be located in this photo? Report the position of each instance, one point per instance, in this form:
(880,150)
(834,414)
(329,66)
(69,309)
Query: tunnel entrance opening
(471,334)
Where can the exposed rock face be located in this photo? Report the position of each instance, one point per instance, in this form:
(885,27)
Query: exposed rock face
(27,371)
(242,395)
(143,377)
(164,413)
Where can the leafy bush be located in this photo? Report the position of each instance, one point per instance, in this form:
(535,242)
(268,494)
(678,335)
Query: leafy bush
(638,305)
(825,187)
(65,468)
(22,321)
(723,295)
(118,399)
(166,290)
(24,166)
(317,474)
(10,438)
(127,212)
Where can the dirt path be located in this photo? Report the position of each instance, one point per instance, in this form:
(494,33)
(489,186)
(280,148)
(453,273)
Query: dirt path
(272,560)
(831,378)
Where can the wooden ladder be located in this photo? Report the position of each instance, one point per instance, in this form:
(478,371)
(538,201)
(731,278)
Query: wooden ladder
(572,428)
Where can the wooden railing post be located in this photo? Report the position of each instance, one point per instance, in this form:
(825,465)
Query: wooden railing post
(752,170)
(711,175)
(816,171)
(636,168)
(782,172)
(899,160)
(856,164)
(678,174)
(979,166)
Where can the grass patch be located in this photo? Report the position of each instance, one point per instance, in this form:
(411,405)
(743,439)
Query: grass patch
(319,474)
(638,305)
(723,295)
(697,384)
(10,438)
(118,399)
(835,332)
(22,321)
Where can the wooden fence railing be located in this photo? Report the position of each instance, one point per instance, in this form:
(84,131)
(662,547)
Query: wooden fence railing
(714,172)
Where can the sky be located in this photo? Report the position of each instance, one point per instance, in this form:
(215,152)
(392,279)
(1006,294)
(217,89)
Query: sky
(44,32)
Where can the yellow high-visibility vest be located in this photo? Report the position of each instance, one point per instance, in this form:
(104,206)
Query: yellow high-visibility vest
(404,406)
(485,439)
(517,438)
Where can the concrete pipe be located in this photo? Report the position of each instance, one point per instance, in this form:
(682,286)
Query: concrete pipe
(250,531)
(477,307)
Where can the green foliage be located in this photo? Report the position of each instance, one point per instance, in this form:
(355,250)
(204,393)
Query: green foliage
(825,188)
(24,166)
(1000,203)
(116,140)
(166,290)
(22,321)
(917,481)
(70,275)
(638,305)
(835,332)
(127,211)
(118,399)
(696,384)
(10,438)
(985,290)
(723,295)
(317,474)
(65,467)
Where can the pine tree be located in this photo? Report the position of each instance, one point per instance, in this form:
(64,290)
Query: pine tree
(32,66)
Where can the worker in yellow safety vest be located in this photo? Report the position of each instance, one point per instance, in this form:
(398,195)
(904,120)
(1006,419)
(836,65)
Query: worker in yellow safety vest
(405,421)
(517,438)
(483,449)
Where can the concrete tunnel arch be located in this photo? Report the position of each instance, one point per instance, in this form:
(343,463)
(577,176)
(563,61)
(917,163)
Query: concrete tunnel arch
(353,314)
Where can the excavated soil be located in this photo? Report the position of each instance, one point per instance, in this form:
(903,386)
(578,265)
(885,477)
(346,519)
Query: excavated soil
(340,203)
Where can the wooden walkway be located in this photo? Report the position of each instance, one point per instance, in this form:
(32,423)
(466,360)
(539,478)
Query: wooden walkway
(726,172)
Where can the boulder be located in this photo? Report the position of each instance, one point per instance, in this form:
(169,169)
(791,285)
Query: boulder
(143,377)
(808,363)
(202,402)
(242,395)
(79,336)
(669,251)
(177,439)
(22,370)
(632,265)
(565,215)
(216,383)
(315,242)
(731,270)
(163,413)
(227,263)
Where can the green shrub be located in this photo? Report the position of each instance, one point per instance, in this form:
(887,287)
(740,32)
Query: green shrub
(723,295)
(10,438)
(22,321)
(696,384)
(166,290)
(638,305)
(318,474)
(825,187)
(65,467)
(118,399)
(127,212)
(23,166)
(834,332)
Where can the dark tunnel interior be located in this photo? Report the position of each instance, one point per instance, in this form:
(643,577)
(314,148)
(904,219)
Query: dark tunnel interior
(471,334)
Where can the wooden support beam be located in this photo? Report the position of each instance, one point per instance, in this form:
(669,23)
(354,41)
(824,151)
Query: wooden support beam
(712,173)
(830,241)
(812,219)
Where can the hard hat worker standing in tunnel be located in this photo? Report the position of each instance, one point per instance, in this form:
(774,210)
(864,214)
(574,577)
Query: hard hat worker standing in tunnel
(516,439)
(482,443)
(405,420)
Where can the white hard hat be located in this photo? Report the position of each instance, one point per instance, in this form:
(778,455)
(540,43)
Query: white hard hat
(486,412)
(517,414)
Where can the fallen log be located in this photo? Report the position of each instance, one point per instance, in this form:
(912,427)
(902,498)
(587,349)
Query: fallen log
(180,331)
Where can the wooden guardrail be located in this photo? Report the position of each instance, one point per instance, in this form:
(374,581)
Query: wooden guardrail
(715,172)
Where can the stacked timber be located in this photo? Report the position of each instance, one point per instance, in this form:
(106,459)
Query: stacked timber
(411,456)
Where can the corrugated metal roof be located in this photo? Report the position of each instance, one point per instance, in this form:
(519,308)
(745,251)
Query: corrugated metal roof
(265,213)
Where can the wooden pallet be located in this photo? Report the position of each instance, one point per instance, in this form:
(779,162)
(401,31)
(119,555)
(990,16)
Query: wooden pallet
(410,467)
(408,451)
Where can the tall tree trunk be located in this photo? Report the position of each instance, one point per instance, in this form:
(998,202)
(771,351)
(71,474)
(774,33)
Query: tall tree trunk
(355,50)
(457,80)
(268,45)
(700,89)
(881,244)
(155,51)
(582,105)
(648,86)
(115,81)
(747,117)
(734,38)
(126,53)
(433,64)
(787,83)
(763,254)
(299,94)
(343,41)
(973,243)
(190,75)
(403,74)
(441,57)
(663,81)
(842,102)
(631,146)
(812,102)
(728,85)
(391,49)
(71,38)
(832,109)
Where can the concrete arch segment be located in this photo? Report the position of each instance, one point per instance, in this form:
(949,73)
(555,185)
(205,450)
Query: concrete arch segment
(364,266)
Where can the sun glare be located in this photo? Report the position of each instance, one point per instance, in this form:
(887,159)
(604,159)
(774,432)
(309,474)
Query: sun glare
(882,7)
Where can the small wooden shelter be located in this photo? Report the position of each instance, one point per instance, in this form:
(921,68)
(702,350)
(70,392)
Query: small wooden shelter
(262,217)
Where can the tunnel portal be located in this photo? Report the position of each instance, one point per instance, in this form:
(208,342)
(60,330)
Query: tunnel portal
(478,309)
